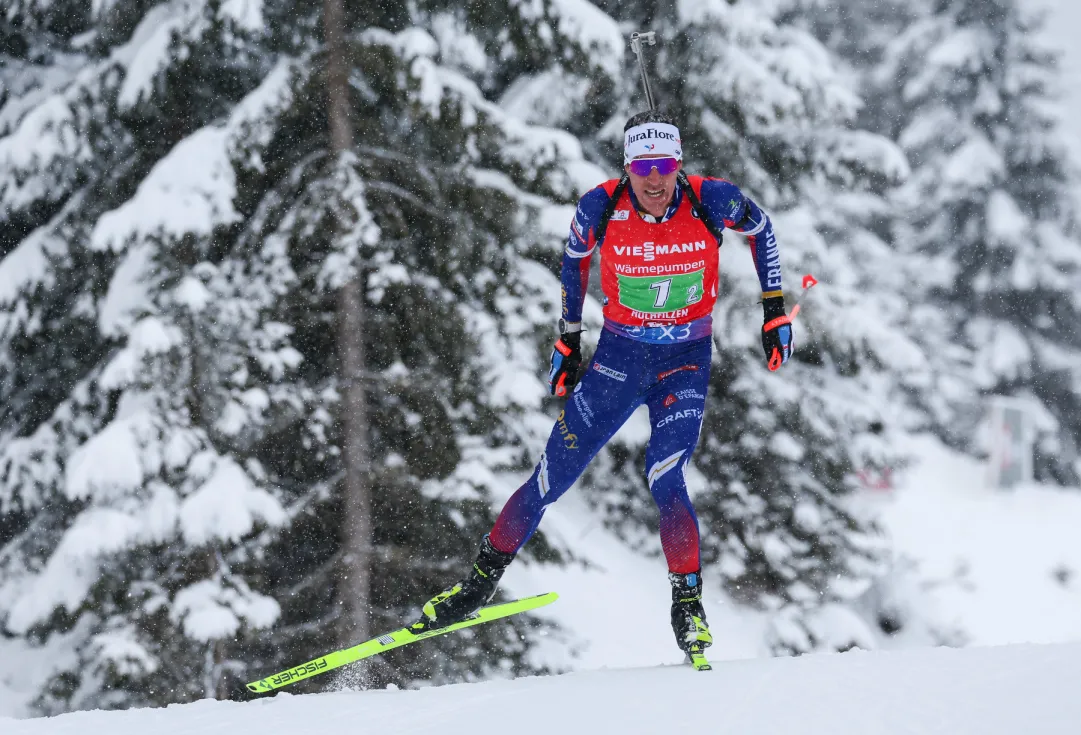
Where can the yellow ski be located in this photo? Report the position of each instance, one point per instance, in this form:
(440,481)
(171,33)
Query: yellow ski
(395,639)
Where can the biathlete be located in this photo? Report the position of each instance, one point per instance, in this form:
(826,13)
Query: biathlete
(658,234)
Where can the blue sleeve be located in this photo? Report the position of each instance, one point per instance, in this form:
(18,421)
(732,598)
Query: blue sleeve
(579,252)
(724,202)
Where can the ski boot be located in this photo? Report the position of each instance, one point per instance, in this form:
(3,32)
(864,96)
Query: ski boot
(688,616)
(465,598)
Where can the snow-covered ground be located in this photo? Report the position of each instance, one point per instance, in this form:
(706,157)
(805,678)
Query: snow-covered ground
(999,567)
(975,691)
(994,567)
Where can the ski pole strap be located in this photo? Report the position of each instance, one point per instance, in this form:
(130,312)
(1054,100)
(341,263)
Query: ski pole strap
(775,361)
(602,226)
(778,322)
(696,205)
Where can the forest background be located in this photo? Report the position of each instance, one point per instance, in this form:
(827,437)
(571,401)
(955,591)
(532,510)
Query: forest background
(278,287)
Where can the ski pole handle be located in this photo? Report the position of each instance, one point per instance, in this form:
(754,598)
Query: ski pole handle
(808,282)
(775,358)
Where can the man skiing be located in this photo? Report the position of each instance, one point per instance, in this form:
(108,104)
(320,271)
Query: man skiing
(658,234)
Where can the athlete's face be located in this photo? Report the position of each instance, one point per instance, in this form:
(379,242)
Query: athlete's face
(654,191)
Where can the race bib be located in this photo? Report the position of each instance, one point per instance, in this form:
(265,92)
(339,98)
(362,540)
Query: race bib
(657,294)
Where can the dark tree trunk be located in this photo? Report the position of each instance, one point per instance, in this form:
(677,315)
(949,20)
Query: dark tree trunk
(354,580)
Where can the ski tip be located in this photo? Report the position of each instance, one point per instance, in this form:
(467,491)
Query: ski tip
(532,603)
(535,601)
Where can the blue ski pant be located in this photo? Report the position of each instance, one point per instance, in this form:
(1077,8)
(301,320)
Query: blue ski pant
(671,379)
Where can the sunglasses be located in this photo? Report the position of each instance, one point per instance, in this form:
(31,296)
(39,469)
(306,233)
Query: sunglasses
(643,166)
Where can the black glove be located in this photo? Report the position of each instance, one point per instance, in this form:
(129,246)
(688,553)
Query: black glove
(566,361)
(776,332)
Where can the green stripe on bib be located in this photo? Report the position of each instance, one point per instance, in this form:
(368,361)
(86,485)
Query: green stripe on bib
(656,294)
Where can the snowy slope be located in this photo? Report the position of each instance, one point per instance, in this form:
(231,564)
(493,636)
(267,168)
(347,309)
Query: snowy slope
(992,567)
(988,691)
(983,563)
(998,566)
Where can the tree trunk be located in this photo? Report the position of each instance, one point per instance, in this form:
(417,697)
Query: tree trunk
(354,580)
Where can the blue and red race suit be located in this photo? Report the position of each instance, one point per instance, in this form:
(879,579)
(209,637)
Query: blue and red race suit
(660,279)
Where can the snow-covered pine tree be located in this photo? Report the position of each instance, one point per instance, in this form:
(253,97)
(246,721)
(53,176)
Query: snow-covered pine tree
(858,32)
(988,226)
(460,190)
(142,497)
(761,102)
(171,493)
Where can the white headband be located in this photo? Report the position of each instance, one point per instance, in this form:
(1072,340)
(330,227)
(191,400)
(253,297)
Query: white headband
(652,138)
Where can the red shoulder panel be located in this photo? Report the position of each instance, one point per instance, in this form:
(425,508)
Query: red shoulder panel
(610,186)
(696,183)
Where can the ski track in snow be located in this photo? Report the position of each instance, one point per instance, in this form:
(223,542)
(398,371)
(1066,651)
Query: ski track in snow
(982,691)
